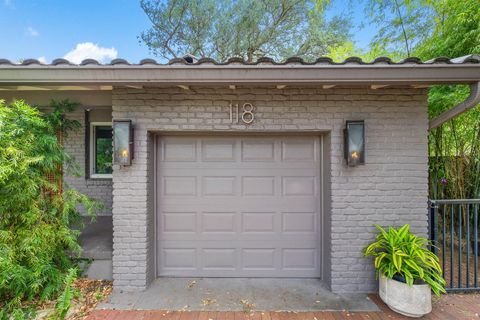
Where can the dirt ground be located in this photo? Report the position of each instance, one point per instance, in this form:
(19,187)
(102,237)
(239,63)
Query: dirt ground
(447,269)
(91,292)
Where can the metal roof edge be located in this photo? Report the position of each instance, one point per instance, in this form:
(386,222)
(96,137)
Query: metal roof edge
(119,72)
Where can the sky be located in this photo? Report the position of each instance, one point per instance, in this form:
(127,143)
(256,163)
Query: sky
(101,29)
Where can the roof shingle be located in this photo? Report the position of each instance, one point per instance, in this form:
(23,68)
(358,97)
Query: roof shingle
(469,59)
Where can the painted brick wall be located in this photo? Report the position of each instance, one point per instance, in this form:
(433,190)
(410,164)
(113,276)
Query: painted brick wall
(391,189)
(100,189)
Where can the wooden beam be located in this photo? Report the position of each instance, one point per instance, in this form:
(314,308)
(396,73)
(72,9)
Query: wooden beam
(7,88)
(27,88)
(81,88)
(134,87)
(378,86)
(328,86)
(184,87)
(56,88)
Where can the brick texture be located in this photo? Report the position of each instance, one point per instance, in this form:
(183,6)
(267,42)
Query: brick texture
(99,189)
(391,189)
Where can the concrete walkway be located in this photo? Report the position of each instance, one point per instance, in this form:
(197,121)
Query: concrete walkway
(220,294)
(96,241)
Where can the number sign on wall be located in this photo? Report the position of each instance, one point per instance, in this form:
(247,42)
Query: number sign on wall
(242,114)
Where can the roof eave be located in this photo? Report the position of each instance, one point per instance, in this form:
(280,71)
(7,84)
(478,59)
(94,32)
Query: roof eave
(241,74)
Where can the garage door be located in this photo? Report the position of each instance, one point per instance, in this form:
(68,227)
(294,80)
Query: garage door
(238,206)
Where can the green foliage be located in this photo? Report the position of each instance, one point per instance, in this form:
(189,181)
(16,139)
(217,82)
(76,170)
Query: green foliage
(455,31)
(245,28)
(36,237)
(104,151)
(403,24)
(429,29)
(399,252)
(348,49)
(426,28)
(64,301)
(57,119)
(454,148)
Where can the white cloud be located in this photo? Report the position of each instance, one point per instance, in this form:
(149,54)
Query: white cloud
(89,50)
(32,32)
(42,59)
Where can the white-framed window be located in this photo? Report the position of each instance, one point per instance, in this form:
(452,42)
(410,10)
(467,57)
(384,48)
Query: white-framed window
(101,150)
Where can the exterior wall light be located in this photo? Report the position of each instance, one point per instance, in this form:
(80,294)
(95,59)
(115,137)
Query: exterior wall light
(354,146)
(122,142)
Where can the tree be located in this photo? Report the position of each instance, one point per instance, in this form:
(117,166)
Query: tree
(456,31)
(403,24)
(342,52)
(243,28)
(429,29)
(455,146)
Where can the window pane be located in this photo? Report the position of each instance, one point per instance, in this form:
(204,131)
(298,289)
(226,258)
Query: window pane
(103,150)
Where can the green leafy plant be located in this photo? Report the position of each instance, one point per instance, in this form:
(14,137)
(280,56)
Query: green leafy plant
(37,238)
(64,301)
(398,252)
(99,296)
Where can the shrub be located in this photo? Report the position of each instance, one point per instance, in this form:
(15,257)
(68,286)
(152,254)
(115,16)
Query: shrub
(398,252)
(64,301)
(36,219)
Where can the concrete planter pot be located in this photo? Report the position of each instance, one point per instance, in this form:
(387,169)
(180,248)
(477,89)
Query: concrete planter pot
(414,301)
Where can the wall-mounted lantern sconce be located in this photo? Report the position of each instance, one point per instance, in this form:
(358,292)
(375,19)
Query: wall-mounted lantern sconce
(122,142)
(354,135)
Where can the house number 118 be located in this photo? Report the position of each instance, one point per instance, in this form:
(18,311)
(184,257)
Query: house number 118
(245,114)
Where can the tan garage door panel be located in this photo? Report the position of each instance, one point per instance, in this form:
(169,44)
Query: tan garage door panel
(238,206)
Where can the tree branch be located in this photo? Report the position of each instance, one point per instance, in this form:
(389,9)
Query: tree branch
(403,26)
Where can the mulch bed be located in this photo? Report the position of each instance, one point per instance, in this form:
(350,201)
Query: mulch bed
(455,279)
(92,292)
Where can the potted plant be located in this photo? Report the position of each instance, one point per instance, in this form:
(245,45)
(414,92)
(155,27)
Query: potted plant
(408,271)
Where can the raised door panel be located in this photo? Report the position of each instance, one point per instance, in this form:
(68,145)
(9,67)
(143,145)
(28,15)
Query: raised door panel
(238,206)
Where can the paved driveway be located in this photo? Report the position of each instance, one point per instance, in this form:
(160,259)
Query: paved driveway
(237,294)
(454,306)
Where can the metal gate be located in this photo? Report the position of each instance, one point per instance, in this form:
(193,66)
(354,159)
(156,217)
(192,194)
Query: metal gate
(454,228)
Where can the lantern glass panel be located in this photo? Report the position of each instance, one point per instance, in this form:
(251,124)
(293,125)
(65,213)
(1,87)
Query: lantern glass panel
(356,143)
(121,138)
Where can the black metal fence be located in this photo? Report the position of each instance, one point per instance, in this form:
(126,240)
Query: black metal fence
(454,228)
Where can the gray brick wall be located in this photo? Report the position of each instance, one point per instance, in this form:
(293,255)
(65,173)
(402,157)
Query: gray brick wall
(391,189)
(100,189)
